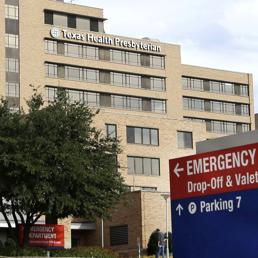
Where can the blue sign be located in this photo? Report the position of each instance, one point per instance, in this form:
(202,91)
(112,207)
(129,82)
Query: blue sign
(215,213)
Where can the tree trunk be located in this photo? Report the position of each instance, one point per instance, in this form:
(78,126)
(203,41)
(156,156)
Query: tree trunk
(26,232)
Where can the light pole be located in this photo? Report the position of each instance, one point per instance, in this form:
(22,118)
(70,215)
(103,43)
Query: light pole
(166,197)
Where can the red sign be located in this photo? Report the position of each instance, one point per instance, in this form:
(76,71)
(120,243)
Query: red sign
(45,235)
(222,171)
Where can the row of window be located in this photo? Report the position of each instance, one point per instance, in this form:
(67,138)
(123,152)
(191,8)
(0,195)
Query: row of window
(107,77)
(73,21)
(12,86)
(149,136)
(98,53)
(111,100)
(215,106)
(226,127)
(215,86)
(147,166)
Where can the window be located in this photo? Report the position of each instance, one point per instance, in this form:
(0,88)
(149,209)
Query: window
(75,96)
(104,54)
(12,65)
(133,81)
(51,47)
(117,56)
(104,77)
(101,27)
(214,86)
(229,127)
(243,90)
(197,84)
(11,41)
(145,60)
(73,73)
(223,127)
(111,131)
(51,94)
(228,88)
(73,50)
(229,108)
(71,21)
(245,128)
(184,139)
(94,25)
(157,62)
(11,12)
(91,52)
(60,20)
(91,98)
(143,166)
(132,58)
(134,103)
(12,89)
(158,106)
(195,104)
(157,84)
(49,17)
(119,235)
(216,106)
(83,23)
(91,75)
(51,70)
(245,110)
(194,84)
(139,135)
(118,101)
(118,79)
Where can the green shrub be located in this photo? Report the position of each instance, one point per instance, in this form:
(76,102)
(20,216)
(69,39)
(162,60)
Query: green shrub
(32,252)
(89,252)
(11,250)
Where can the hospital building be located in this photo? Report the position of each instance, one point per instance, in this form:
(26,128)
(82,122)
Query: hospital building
(156,106)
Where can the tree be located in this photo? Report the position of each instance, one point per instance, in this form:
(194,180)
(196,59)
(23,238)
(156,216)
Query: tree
(53,161)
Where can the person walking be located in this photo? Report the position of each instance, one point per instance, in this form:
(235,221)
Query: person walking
(160,244)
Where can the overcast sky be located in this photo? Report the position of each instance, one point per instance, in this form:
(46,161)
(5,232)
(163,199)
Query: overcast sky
(218,34)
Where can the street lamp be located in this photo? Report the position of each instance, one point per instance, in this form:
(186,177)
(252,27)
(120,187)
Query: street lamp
(166,197)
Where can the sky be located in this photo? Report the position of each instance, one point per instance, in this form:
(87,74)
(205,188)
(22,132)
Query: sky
(219,34)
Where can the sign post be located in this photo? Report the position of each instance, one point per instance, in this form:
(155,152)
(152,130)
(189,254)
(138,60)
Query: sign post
(215,204)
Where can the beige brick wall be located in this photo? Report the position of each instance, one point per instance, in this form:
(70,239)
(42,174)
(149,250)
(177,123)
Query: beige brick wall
(67,231)
(154,215)
(127,212)
(143,212)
